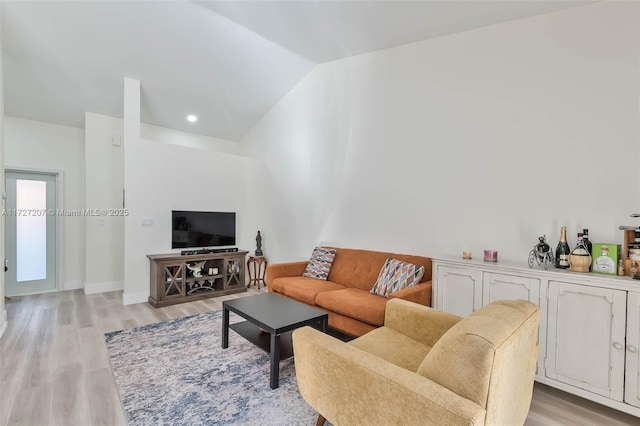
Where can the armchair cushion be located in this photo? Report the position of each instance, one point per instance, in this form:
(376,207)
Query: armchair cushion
(394,347)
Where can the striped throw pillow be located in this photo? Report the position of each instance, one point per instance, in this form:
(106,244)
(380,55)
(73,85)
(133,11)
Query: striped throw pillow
(396,275)
(320,263)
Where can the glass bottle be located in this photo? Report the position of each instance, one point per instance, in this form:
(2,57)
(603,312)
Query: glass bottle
(580,259)
(587,244)
(562,250)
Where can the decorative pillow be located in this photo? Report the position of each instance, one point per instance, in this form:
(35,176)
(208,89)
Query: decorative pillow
(396,275)
(320,263)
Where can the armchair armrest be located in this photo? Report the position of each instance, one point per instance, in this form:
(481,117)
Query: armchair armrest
(349,386)
(419,293)
(290,269)
(418,322)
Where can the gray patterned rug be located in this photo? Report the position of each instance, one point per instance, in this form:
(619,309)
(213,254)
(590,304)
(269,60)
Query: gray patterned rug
(176,373)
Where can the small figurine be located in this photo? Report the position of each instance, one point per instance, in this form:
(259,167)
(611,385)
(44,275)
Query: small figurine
(541,253)
(258,244)
(196,268)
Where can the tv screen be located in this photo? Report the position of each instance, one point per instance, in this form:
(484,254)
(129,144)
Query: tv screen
(202,229)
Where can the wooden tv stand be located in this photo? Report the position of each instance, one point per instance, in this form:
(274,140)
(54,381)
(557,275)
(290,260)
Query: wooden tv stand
(173,279)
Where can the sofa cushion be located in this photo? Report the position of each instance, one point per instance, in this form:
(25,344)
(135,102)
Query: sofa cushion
(320,263)
(392,346)
(396,275)
(354,303)
(306,289)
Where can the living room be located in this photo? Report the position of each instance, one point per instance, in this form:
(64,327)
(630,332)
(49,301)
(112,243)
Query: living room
(485,138)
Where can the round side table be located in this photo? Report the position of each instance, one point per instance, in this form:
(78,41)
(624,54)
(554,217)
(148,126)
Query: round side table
(257,267)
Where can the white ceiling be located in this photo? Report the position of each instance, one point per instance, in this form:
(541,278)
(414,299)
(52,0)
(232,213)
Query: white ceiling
(228,62)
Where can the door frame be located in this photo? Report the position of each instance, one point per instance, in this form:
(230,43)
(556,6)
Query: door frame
(58,175)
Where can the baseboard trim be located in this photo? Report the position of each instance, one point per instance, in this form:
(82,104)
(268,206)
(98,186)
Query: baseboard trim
(133,298)
(3,322)
(94,288)
(72,285)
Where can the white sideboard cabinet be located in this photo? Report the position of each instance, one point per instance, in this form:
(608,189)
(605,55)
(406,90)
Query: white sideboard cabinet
(589,332)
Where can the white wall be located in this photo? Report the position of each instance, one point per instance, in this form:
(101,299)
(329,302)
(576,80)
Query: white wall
(192,140)
(104,182)
(51,147)
(161,177)
(484,139)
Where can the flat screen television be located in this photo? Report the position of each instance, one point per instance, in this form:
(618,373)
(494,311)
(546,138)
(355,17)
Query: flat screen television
(202,229)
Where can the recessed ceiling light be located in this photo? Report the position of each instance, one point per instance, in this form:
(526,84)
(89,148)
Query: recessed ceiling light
(192,118)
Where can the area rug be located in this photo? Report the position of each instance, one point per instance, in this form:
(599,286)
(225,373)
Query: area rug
(176,373)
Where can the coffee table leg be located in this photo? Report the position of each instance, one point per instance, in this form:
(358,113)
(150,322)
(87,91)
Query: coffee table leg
(324,325)
(225,328)
(274,377)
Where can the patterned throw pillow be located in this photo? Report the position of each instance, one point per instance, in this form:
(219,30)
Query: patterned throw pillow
(396,275)
(320,263)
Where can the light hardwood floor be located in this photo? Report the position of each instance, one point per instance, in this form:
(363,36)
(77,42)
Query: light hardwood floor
(54,368)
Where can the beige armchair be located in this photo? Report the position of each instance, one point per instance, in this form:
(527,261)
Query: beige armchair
(424,367)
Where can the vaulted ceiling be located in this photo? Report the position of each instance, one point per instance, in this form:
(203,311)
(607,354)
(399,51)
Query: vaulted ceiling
(228,62)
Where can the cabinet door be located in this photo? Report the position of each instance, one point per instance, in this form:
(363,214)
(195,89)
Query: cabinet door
(632,381)
(586,338)
(458,290)
(171,280)
(234,272)
(510,287)
(513,287)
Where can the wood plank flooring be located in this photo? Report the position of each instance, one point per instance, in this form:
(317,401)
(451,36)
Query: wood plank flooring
(54,368)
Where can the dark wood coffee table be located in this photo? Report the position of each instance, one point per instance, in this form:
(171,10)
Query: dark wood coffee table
(270,315)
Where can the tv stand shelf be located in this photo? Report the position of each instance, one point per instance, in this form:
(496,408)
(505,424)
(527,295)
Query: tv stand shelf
(177,278)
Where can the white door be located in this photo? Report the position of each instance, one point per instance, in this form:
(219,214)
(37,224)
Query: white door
(31,234)
(458,290)
(632,377)
(586,338)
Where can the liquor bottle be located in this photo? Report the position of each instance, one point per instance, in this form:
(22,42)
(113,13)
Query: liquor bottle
(588,245)
(563,251)
(580,259)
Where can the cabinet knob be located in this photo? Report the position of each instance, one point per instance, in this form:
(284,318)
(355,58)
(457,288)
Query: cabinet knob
(632,349)
(617,345)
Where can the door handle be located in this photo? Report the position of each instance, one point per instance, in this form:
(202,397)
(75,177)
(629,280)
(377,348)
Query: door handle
(632,349)
(618,346)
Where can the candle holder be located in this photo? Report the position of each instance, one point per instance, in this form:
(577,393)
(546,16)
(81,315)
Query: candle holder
(490,255)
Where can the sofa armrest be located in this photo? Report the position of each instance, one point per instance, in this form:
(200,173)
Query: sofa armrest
(290,269)
(421,323)
(420,293)
(349,386)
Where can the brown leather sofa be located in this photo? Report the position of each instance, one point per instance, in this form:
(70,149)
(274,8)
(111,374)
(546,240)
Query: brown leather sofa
(345,295)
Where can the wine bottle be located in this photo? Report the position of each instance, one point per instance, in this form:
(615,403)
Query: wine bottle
(563,251)
(588,245)
(580,260)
